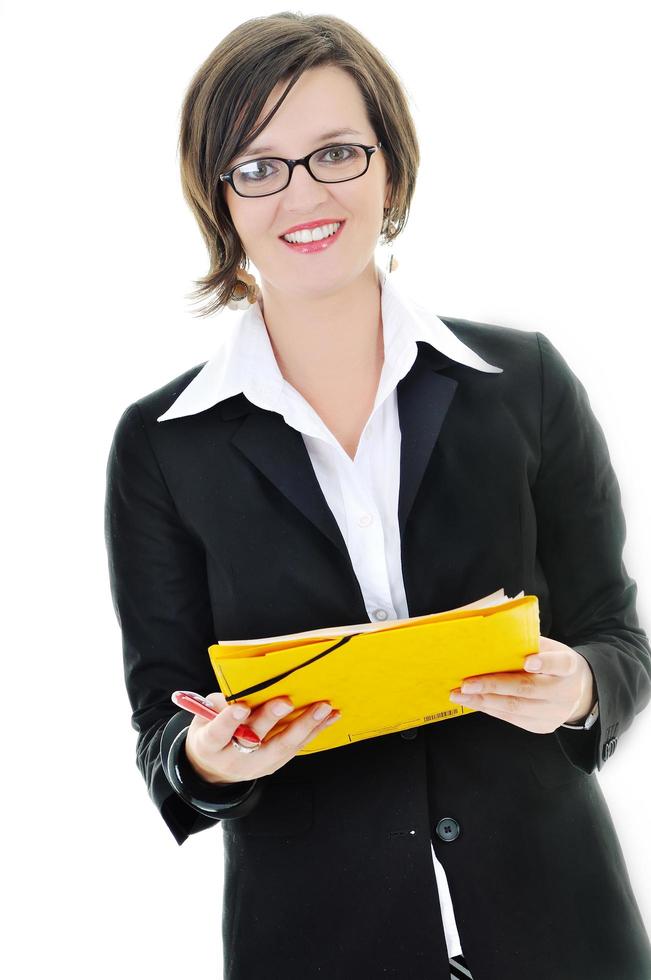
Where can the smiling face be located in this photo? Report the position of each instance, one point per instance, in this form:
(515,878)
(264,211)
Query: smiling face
(323,100)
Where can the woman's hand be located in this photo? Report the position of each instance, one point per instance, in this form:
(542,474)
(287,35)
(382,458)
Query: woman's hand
(560,691)
(208,742)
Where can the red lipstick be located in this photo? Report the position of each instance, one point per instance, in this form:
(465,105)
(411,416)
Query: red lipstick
(316,246)
(311,224)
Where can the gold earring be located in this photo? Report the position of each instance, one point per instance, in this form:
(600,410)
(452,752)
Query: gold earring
(245,292)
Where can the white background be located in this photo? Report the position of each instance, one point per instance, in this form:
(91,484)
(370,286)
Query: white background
(532,210)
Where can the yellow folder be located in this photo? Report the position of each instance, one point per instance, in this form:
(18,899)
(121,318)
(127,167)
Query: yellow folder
(383,677)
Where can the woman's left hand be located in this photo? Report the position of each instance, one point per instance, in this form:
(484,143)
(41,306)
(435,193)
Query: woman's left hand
(559,691)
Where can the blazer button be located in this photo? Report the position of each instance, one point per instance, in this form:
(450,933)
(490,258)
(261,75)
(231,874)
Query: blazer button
(448,829)
(409,733)
(609,747)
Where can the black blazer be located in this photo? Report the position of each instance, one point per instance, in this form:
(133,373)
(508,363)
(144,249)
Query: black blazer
(216,527)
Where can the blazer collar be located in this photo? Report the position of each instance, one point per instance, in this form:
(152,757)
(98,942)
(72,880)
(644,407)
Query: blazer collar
(244,363)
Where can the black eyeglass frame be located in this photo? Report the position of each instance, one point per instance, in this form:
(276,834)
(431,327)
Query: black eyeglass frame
(304,161)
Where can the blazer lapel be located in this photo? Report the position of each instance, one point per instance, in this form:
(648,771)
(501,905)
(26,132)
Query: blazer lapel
(424,397)
(278,451)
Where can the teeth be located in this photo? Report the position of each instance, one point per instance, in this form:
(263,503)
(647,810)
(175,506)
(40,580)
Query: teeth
(312,234)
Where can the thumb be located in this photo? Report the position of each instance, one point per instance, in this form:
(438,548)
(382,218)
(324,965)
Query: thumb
(229,717)
(236,712)
(208,735)
(216,700)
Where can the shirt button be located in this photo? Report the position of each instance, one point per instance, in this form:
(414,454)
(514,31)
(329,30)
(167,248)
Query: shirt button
(448,829)
(380,614)
(365,520)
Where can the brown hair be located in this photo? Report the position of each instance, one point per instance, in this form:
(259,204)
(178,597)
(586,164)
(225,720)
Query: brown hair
(226,96)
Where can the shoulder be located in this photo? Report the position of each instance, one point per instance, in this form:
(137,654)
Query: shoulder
(140,415)
(533,366)
(497,343)
(513,344)
(154,403)
(534,371)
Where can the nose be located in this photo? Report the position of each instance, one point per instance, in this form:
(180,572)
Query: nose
(303,189)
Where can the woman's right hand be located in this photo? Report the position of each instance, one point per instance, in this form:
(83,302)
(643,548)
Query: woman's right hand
(210,752)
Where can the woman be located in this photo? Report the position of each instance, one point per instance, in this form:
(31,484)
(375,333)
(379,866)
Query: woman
(347,456)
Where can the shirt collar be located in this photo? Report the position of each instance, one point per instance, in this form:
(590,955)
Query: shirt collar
(245,361)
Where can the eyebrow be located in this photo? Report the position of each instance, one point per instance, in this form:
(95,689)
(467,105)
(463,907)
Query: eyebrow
(331,134)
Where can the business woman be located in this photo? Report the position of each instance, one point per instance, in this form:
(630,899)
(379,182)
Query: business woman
(346,456)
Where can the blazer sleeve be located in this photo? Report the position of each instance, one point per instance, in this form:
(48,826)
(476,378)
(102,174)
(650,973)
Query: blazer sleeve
(581,536)
(160,595)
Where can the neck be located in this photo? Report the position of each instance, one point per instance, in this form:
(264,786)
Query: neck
(334,338)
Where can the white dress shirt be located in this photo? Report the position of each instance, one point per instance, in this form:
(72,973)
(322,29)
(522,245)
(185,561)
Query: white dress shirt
(361,492)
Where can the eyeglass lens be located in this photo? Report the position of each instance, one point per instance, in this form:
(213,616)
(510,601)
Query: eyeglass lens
(332,164)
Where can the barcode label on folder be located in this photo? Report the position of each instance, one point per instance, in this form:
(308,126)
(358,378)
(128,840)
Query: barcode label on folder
(354,736)
(441,714)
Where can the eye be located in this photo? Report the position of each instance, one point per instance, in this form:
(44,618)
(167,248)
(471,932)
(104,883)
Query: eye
(341,153)
(255,171)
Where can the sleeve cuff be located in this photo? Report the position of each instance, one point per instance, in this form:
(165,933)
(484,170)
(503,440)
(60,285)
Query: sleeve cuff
(207,798)
(588,721)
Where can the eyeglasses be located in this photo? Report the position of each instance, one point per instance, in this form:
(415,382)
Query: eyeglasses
(329,165)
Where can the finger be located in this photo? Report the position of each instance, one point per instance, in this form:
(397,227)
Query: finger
(300,730)
(260,719)
(216,733)
(508,703)
(552,658)
(266,716)
(217,702)
(520,684)
(330,719)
